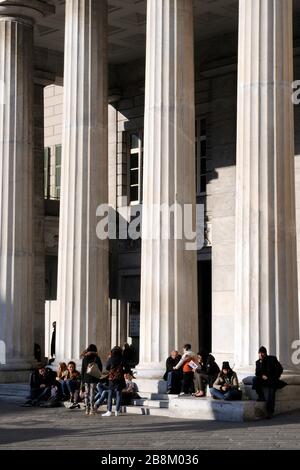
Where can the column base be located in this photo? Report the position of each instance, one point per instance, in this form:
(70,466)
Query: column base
(149,378)
(17,371)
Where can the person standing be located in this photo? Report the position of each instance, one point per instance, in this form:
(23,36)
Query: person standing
(53,340)
(88,380)
(267,379)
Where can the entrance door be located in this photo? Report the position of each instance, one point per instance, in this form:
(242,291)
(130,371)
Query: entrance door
(205,304)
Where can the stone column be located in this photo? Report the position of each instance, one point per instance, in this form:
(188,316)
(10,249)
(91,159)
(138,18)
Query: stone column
(266,271)
(169,317)
(16,186)
(39,218)
(83,258)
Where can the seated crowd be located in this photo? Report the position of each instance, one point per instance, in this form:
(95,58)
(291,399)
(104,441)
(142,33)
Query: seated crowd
(91,385)
(192,374)
(189,374)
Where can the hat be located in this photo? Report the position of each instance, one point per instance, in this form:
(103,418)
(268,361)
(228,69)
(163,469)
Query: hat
(225,365)
(263,350)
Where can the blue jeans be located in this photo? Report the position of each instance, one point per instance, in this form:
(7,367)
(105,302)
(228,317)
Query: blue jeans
(174,381)
(101,387)
(101,398)
(111,393)
(232,394)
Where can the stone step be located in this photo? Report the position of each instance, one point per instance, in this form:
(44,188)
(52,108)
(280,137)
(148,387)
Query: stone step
(14,391)
(145,410)
(151,403)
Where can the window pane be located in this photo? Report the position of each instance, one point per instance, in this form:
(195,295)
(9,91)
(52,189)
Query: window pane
(134,193)
(134,160)
(203,166)
(57,177)
(203,148)
(134,141)
(134,177)
(203,183)
(203,127)
(58,155)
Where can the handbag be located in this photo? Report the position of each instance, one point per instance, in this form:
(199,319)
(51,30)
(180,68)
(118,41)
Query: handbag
(93,370)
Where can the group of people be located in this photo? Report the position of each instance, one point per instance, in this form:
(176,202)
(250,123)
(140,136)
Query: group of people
(92,385)
(192,374)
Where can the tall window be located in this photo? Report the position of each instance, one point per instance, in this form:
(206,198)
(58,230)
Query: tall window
(201,156)
(47,160)
(57,170)
(135,167)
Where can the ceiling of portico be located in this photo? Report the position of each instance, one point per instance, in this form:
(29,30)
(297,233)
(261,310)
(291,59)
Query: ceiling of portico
(127,25)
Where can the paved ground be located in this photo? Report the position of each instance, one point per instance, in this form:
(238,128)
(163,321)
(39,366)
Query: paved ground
(59,428)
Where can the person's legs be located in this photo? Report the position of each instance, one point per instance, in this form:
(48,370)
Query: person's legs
(109,400)
(269,393)
(169,381)
(100,400)
(187,382)
(197,382)
(118,400)
(87,397)
(216,394)
(257,386)
(233,395)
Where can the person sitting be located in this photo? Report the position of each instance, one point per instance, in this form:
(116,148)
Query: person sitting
(205,374)
(226,385)
(188,375)
(61,386)
(41,381)
(73,380)
(130,392)
(267,379)
(173,377)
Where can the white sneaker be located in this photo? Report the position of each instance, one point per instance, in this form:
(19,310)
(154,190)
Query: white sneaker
(117,413)
(108,413)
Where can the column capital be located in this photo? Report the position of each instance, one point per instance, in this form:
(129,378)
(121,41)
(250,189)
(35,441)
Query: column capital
(25,9)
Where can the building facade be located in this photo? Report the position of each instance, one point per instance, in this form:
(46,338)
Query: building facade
(148,104)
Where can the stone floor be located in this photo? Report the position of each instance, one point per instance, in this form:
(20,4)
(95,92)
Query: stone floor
(60,428)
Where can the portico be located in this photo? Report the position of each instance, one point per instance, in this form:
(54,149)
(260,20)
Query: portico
(162,67)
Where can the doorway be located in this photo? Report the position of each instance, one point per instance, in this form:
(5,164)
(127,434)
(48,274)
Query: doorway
(205,304)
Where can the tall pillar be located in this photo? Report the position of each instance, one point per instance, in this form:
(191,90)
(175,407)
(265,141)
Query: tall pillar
(169,317)
(16,185)
(83,258)
(266,271)
(39,218)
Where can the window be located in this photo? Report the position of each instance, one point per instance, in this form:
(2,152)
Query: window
(47,161)
(201,156)
(57,170)
(135,167)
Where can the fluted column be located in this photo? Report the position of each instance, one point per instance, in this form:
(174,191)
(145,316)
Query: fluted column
(266,272)
(169,271)
(16,191)
(83,259)
(16,183)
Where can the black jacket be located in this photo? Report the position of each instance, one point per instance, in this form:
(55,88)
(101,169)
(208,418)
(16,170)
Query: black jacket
(117,368)
(170,363)
(210,367)
(88,359)
(270,367)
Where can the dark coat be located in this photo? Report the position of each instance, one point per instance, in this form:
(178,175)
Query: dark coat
(170,363)
(210,367)
(117,368)
(88,359)
(271,368)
